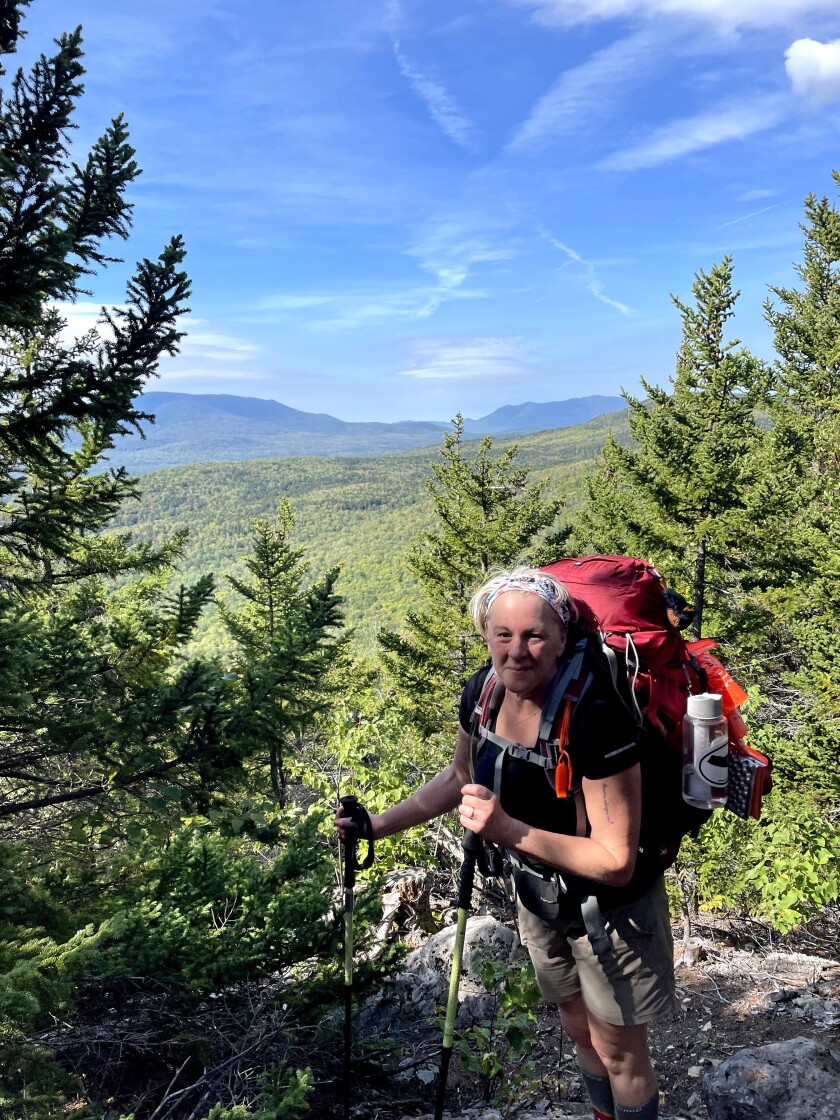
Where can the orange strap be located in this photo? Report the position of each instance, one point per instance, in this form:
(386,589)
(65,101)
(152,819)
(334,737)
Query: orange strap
(563,770)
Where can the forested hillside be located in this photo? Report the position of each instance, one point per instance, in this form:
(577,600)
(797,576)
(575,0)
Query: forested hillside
(360,514)
(205,428)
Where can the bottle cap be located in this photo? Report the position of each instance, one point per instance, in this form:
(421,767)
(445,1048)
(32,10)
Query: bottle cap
(705,705)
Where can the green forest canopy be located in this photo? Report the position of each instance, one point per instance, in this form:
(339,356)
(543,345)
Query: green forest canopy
(361,514)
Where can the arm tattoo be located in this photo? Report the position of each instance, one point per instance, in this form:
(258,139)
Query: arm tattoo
(606,804)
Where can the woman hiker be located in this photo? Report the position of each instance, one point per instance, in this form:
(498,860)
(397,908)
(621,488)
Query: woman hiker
(601,949)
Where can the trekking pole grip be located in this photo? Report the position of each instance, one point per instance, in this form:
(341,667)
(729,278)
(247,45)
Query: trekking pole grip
(363,831)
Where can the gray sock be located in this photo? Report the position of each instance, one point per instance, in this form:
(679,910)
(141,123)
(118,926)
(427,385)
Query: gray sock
(600,1093)
(649,1111)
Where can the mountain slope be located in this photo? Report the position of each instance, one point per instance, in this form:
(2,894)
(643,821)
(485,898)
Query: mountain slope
(201,428)
(359,513)
(533,417)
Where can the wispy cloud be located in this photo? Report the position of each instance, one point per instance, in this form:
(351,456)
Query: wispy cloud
(211,355)
(585,93)
(589,274)
(294,301)
(814,70)
(442,108)
(746,217)
(82,317)
(449,250)
(754,196)
(724,14)
(488,356)
(363,309)
(734,121)
(450,247)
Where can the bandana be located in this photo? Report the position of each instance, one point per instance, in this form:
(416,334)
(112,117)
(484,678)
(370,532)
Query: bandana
(537,585)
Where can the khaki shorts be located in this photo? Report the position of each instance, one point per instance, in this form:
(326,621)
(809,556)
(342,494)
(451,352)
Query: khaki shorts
(629,984)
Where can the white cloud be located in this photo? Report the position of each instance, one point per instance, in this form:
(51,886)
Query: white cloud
(724,14)
(363,309)
(203,353)
(584,93)
(450,247)
(590,277)
(442,108)
(80,318)
(735,121)
(754,196)
(814,70)
(291,301)
(214,346)
(489,356)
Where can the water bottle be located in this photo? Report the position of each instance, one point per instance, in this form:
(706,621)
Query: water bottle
(705,752)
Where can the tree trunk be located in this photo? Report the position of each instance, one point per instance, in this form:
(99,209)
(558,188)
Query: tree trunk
(278,774)
(699,590)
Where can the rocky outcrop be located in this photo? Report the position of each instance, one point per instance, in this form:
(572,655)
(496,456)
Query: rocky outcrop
(794,1080)
(408,1001)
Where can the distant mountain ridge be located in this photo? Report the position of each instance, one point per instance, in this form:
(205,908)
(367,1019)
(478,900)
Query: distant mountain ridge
(208,427)
(532,417)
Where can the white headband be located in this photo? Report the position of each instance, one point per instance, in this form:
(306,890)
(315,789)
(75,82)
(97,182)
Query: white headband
(536,585)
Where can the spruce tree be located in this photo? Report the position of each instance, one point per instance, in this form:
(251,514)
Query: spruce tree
(706,492)
(487,515)
(290,649)
(105,724)
(62,404)
(806,327)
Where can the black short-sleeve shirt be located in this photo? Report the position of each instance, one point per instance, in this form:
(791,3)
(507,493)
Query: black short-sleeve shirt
(603,736)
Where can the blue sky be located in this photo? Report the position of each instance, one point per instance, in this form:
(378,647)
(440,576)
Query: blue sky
(396,209)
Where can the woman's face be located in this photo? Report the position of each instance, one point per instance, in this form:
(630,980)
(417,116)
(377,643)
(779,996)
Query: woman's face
(525,637)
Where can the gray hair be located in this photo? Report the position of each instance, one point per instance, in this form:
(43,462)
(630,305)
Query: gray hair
(523,578)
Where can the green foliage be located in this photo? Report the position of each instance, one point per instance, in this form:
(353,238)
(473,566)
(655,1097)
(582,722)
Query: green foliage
(707,492)
(209,910)
(498,1050)
(359,514)
(487,515)
(290,658)
(732,491)
(782,870)
(33,1086)
(283,1097)
(381,758)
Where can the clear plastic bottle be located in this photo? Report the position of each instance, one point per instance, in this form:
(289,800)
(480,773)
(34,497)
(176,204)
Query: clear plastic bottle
(705,752)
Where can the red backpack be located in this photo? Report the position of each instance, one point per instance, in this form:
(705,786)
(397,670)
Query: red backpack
(639,620)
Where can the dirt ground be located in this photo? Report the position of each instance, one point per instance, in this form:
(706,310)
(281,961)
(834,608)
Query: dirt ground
(744,988)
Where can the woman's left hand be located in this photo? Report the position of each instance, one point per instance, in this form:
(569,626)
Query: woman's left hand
(482,813)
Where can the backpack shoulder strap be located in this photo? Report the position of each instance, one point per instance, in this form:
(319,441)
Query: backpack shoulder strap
(559,687)
(488,703)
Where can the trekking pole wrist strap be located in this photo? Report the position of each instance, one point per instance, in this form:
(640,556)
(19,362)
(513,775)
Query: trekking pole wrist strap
(363,831)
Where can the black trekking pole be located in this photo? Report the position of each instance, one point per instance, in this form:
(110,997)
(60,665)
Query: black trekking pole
(472,849)
(362,831)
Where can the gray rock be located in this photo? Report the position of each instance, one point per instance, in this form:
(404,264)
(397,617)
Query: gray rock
(406,1004)
(483,936)
(794,1080)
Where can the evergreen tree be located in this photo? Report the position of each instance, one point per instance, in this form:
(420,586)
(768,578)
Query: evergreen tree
(706,493)
(103,718)
(290,650)
(85,714)
(63,404)
(806,326)
(488,516)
